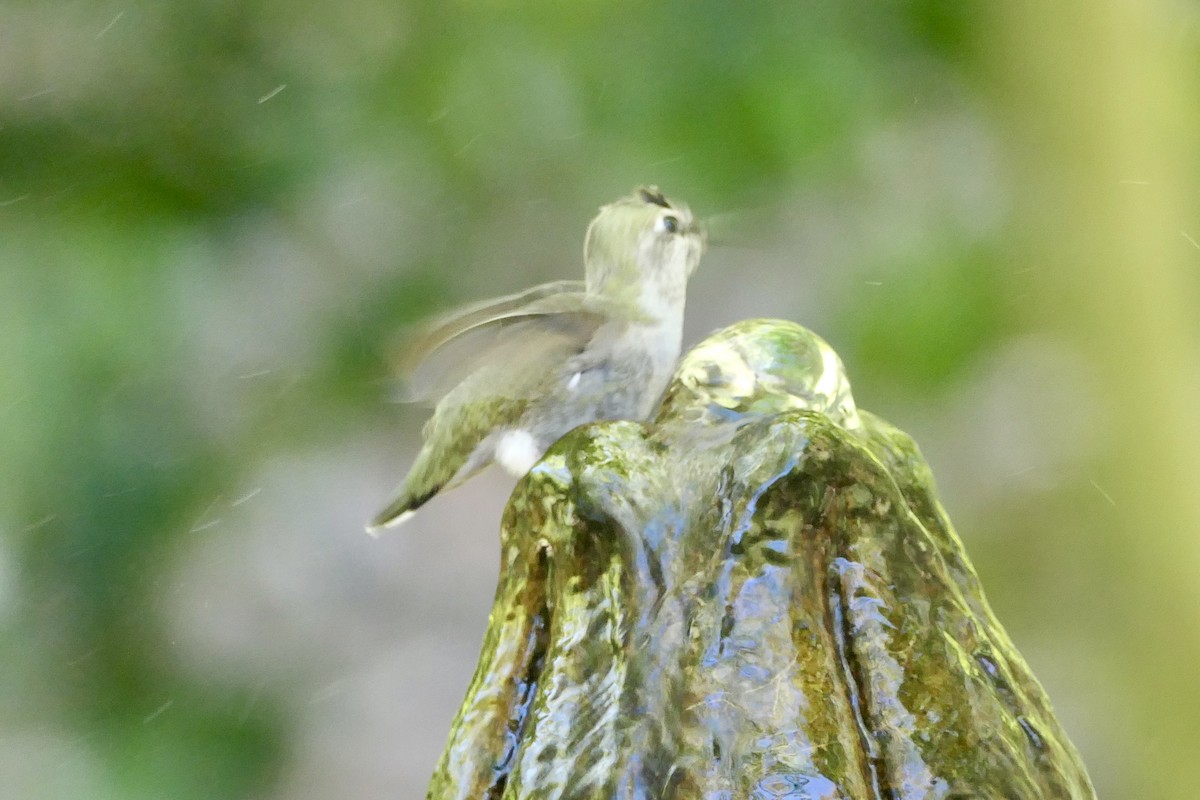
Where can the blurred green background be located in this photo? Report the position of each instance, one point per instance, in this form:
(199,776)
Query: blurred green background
(216,215)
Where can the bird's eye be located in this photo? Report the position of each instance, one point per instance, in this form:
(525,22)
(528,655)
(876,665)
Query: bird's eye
(668,224)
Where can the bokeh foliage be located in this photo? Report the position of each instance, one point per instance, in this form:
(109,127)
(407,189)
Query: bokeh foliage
(214,216)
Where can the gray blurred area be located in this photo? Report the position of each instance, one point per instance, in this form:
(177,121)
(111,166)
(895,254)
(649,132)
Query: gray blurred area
(217,218)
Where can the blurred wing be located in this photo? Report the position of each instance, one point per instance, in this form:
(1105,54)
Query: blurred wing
(512,340)
(441,329)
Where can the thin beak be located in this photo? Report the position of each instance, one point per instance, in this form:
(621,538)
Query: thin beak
(734,228)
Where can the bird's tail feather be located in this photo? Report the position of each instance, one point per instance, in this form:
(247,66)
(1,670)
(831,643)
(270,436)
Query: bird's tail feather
(399,510)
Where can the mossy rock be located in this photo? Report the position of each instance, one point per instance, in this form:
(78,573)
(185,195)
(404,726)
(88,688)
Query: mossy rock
(756,595)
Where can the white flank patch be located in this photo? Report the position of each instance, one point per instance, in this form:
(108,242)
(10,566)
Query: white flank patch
(571,384)
(517,452)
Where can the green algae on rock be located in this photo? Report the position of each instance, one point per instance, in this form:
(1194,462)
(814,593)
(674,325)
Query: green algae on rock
(757,595)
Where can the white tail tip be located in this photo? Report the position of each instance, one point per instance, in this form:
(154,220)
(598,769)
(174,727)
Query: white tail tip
(376,529)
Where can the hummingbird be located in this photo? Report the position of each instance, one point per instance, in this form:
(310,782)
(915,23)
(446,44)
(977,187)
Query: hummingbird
(512,375)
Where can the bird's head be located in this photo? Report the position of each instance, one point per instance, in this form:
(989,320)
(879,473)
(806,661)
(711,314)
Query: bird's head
(642,239)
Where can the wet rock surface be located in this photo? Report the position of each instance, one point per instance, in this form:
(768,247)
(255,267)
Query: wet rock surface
(757,595)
